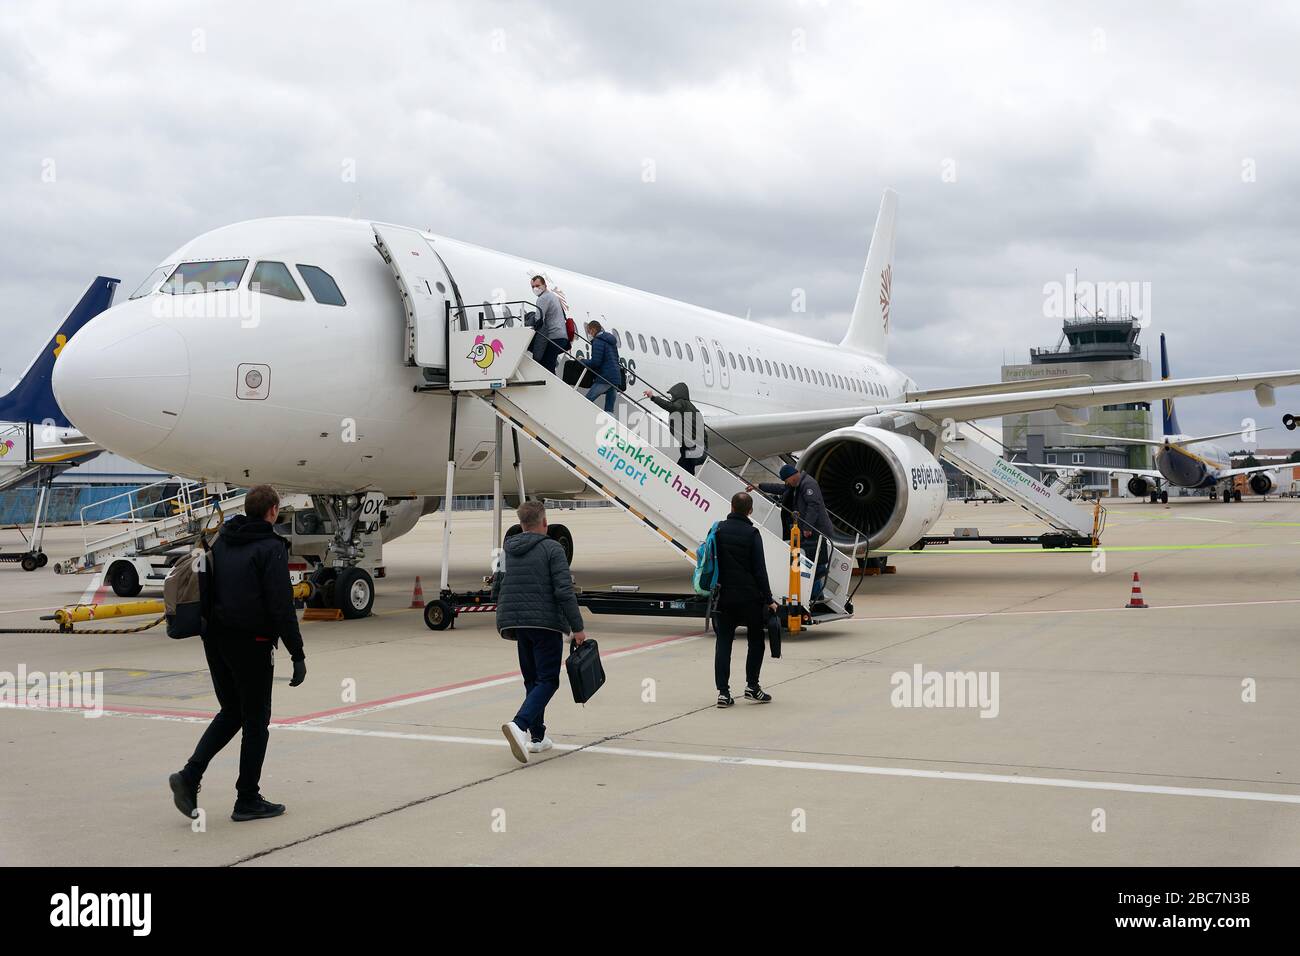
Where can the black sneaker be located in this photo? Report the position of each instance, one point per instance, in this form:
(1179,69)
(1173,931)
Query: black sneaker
(725,698)
(184,795)
(757,695)
(259,809)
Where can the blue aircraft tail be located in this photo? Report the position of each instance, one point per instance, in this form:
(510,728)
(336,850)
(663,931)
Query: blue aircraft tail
(32,399)
(1170,418)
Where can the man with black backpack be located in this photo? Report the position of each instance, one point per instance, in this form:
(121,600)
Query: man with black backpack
(744,599)
(247,606)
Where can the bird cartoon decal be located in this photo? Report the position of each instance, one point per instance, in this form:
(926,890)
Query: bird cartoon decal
(5,447)
(483,354)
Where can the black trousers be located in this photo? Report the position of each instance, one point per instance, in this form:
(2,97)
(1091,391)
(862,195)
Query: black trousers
(725,621)
(242,671)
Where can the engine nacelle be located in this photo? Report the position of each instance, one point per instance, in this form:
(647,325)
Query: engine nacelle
(1261,483)
(878,483)
(1139,487)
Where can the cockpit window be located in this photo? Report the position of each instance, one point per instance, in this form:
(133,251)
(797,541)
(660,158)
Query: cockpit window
(151,283)
(274,278)
(219,276)
(323,287)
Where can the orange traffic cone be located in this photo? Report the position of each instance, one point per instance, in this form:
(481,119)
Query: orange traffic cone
(1136,599)
(417,596)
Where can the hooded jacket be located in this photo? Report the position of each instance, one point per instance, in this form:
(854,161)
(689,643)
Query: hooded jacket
(534,587)
(684,421)
(245,592)
(604,358)
(742,570)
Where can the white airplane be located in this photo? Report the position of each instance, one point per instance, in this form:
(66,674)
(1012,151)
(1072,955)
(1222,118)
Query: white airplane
(310,382)
(1182,461)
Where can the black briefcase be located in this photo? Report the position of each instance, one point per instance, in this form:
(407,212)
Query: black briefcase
(586,675)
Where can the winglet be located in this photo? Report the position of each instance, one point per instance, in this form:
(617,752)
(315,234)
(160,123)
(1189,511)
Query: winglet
(869,328)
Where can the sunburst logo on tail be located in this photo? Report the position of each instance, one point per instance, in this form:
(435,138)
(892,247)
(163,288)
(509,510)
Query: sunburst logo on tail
(483,354)
(886,276)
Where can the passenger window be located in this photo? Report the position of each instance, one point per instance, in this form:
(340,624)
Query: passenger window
(641,341)
(631,342)
(322,285)
(704,354)
(273,278)
(733,359)
(677,347)
(668,352)
(220,276)
(750,359)
(690,357)
(655,342)
(722,361)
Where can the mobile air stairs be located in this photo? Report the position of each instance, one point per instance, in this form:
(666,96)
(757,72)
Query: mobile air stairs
(140,533)
(629,459)
(1073,526)
(22,464)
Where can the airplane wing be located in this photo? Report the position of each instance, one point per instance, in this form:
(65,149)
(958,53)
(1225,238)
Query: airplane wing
(1230,472)
(1143,472)
(780,433)
(1189,440)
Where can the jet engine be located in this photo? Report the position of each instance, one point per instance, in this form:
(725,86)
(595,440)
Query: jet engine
(1139,487)
(882,489)
(1261,483)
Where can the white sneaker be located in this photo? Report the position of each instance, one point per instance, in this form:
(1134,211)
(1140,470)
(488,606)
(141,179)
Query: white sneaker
(519,740)
(540,746)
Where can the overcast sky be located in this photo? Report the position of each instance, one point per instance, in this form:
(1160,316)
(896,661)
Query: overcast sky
(1147,143)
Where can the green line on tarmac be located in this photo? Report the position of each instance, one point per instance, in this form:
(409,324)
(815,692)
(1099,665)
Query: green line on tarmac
(946,549)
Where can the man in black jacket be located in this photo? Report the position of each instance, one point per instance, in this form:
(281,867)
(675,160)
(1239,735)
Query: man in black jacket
(686,425)
(247,602)
(744,599)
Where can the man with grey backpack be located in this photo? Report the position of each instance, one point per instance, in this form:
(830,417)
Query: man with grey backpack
(246,603)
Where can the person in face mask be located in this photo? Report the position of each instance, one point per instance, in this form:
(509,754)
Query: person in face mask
(552,336)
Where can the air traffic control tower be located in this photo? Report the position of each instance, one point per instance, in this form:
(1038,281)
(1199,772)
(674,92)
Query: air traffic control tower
(1107,349)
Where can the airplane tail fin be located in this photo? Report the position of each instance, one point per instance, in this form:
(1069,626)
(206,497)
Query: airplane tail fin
(1170,418)
(869,328)
(32,399)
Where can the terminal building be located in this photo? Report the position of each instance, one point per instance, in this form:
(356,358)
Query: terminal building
(1107,349)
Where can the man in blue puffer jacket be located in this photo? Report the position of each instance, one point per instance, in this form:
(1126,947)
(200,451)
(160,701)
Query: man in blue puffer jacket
(536,607)
(604,362)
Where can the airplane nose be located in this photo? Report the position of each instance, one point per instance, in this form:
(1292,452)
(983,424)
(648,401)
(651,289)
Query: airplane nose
(123,384)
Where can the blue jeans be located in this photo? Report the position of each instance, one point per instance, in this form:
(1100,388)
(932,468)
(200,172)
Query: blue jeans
(539,661)
(607,389)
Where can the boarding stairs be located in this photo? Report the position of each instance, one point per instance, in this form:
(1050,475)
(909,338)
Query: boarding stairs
(629,458)
(1074,525)
(151,519)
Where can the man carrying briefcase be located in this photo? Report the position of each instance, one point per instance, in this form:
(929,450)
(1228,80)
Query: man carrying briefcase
(536,607)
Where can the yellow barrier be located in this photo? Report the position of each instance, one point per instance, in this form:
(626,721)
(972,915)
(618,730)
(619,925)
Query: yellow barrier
(80,613)
(793,619)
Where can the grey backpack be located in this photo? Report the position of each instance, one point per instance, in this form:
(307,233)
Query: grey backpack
(181,593)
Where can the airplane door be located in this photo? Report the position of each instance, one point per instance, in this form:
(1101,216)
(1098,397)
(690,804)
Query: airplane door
(724,373)
(706,360)
(424,286)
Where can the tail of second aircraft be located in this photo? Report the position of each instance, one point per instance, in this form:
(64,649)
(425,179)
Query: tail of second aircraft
(1170,418)
(32,399)
(869,328)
